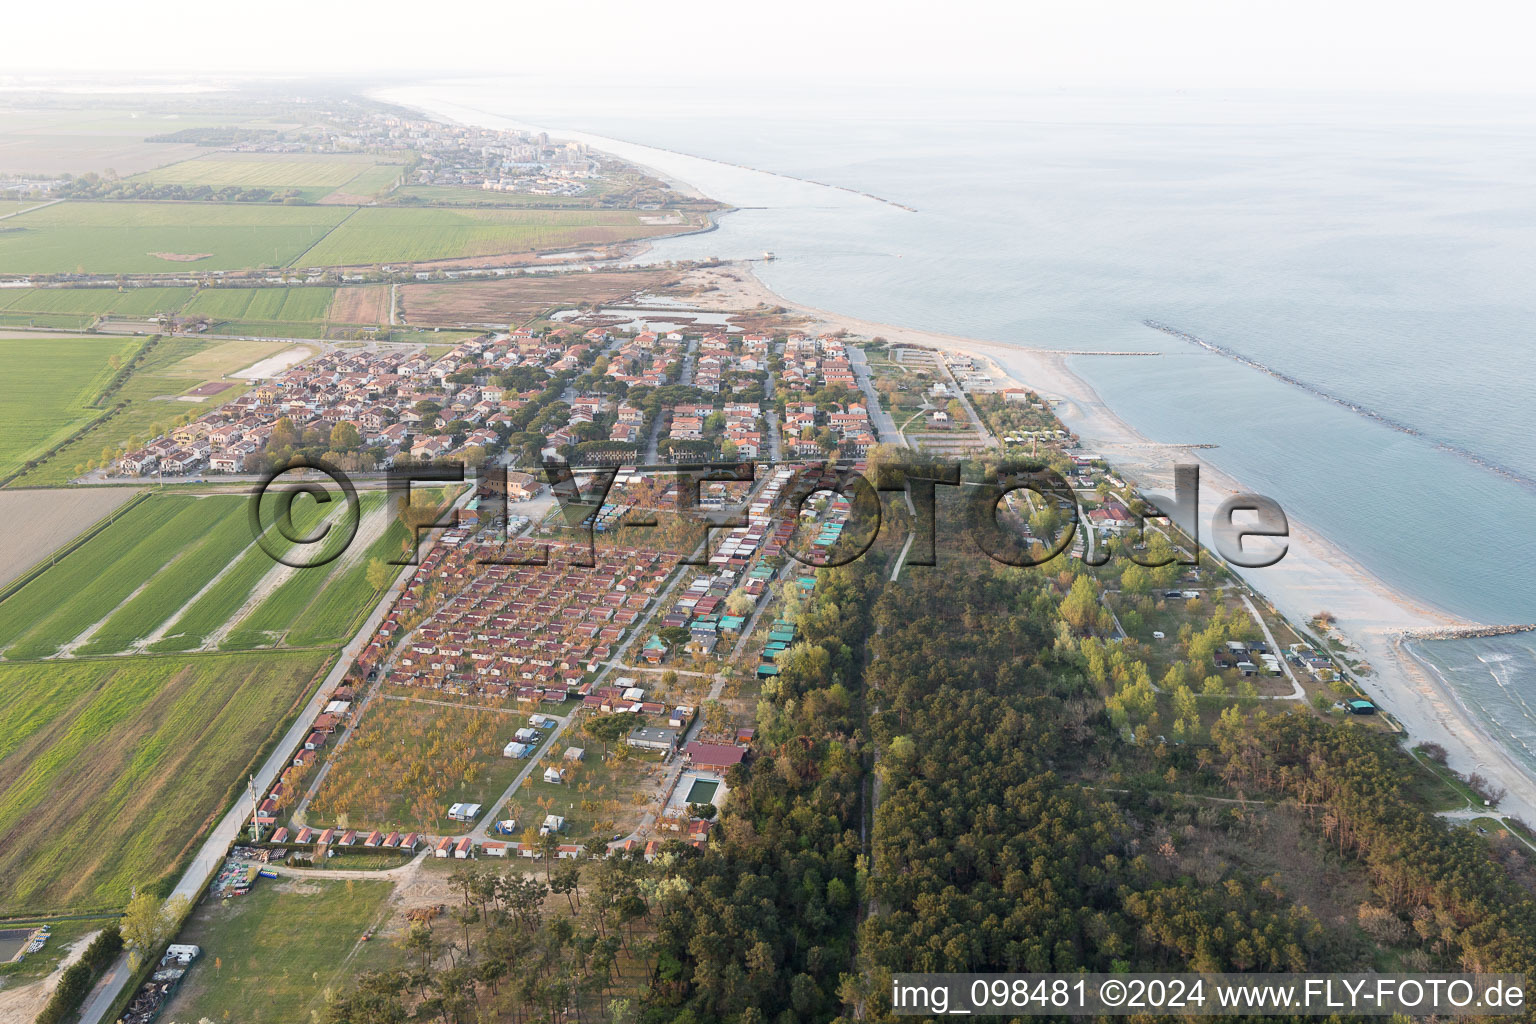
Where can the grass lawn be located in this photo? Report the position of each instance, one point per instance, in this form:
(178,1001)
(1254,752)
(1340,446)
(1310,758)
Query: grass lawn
(36,966)
(46,387)
(110,769)
(597,797)
(270,957)
(386,235)
(164,238)
(1439,788)
(354,859)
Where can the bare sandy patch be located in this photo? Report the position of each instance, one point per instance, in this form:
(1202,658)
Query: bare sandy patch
(38,522)
(22,1004)
(275,363)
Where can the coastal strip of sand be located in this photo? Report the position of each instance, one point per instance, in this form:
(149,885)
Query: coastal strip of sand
(1314,575)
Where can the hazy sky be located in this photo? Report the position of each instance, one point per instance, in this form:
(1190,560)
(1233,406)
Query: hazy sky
(1388,45)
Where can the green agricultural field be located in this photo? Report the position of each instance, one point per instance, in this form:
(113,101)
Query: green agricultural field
(372,182)
(341,607)
(265,170)
(99,301)
(222,601)
(46,388)
(396,235)
(289,604)
(161,375)
(271,956)
(265,329)
(464,195)
(180,580)
(166,238)
(111,768)
(51,321)
(89,583)
(267,304)
(81,140)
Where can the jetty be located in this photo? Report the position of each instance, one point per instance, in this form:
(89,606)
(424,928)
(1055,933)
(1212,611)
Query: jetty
(1091,352)
(1344,403)
(1465,632)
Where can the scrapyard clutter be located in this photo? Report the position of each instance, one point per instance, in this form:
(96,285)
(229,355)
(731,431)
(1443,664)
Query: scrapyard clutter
(239,872)
(157,991)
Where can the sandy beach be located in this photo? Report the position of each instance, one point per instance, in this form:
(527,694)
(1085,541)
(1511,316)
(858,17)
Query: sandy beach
(1314,575)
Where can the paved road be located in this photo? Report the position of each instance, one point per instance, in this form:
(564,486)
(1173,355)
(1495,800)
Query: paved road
(756,614)
(902,558)
(775,437)
(211,854)
(885,427)
(1466,815)
(987,437)
(482,827)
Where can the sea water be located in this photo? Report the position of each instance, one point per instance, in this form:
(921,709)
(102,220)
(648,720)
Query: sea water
(1378,251)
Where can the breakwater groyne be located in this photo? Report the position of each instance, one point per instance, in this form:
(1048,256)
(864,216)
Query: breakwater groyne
(1449,447)
(1092,352)
(1465,632)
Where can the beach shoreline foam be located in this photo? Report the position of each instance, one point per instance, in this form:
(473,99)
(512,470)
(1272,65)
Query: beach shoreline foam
(1314,575)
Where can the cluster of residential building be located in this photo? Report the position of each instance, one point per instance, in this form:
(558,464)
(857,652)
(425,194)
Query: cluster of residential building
(848,426)
(722,359)
(387,396)
(647,358)
(738,424)
(407,405)
(812,363)
(528,632)
(446,154)
(1250,658)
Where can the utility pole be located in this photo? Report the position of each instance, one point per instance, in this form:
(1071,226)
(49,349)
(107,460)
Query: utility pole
(255,828)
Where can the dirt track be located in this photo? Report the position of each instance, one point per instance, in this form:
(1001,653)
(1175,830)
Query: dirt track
(22,1004)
